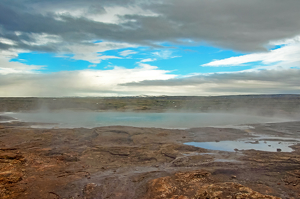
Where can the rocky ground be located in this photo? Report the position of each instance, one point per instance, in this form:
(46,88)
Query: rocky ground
(121,162)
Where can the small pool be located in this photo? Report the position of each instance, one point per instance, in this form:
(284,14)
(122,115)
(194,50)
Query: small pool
(270,146)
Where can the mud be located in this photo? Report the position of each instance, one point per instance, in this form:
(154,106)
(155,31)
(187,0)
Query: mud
(120,162)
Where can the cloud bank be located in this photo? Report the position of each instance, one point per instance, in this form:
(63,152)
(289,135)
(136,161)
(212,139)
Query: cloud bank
(246,26)
(86,29)
(256,82)
(78,83)
(148,80)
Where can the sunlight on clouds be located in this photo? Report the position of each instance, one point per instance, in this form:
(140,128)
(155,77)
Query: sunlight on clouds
(286,41)
(214,88)
(140,39)
(78,83)
(286,56)
(7,41)
(147,66)
(119,75)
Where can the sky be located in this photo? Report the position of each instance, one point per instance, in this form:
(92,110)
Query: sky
(66,48)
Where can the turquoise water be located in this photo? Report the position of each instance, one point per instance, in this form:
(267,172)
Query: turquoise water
(160,120)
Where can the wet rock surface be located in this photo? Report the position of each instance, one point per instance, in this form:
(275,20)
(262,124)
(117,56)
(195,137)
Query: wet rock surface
(126,162)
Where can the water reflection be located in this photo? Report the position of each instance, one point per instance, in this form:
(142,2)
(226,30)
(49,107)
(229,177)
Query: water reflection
(270,146)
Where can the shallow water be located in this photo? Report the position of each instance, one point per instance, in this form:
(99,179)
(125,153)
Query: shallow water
(270,146)
(160,120)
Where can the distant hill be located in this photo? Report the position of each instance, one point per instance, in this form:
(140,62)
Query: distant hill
(286,104)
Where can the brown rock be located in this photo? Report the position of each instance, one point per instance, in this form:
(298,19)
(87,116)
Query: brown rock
(229,190)
(10,177)
(89,187)
(176,186)
(198,185)
(9,155)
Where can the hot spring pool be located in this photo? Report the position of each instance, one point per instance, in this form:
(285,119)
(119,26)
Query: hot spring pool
(74,119)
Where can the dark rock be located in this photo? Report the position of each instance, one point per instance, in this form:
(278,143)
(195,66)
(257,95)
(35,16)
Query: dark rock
(89,189)
(8,155)
(182,161)
(119,151)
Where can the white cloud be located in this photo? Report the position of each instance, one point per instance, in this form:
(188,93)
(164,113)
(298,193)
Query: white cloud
(107,14)
(79,83)
(93,57)
(238,83)
(9,67)
(42,39)
(91,51)
(7,41)
(88,51)
(285,41)
(148,60)
(92,65)
(286,56)
(114,14)
(164,54)
(147,66)
(125,53)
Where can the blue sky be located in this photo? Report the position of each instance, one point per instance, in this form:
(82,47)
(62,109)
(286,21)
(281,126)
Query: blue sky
(179,60)
(137,47)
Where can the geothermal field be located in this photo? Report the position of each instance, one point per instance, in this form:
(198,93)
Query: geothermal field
(150,147)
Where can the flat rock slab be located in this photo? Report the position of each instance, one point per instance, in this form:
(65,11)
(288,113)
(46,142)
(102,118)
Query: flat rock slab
(122,162)
(198,185)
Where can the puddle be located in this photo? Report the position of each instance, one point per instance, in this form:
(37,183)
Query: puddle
(239,127)
(270,146)
(226,160)
(45,126)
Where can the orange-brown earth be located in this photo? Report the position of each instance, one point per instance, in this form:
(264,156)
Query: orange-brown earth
(125,162)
